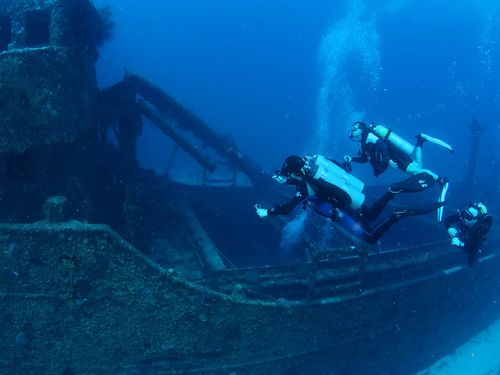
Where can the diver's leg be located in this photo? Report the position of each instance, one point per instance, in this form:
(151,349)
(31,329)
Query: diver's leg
(442,181)
(418,150)
(407,164)
(414,168)
(418,156)
(416,183)
(381,228)
(371,213)
(413,184)
(436,141)
(401,212)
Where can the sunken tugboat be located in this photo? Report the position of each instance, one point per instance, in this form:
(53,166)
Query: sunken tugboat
(107,268)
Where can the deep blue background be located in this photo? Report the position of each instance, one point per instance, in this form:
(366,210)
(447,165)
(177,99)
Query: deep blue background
(251,70)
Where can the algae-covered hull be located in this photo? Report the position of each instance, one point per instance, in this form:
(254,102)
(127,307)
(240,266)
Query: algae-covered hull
(207,291)
(78,299)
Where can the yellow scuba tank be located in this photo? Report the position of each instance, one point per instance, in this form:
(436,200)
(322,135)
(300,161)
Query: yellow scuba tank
(324,169)
(398,142)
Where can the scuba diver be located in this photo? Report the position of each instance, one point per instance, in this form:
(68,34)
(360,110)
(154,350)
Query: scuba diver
(468,229)
(382,148)
(331,191)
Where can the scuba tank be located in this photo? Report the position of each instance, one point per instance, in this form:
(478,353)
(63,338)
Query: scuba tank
(398,142)
(325,170)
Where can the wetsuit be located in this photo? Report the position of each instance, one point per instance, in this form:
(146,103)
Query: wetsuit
(472,235)
(379,154)
(336,205)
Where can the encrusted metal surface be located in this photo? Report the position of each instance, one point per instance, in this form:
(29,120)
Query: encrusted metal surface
(77,296)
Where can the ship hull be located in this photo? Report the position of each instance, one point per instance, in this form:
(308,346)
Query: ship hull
(77,297)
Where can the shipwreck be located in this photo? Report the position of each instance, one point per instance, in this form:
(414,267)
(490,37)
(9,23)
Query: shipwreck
(107,268)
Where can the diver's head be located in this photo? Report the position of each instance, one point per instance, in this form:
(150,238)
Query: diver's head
(472,213)
(293,167)
(357,130)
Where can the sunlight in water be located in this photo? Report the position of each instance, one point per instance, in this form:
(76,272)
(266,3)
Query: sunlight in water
(353,41)
(486,50)
(292,231)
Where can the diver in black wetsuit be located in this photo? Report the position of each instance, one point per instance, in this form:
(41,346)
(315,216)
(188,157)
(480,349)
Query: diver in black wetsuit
(390,150)
(382,148)
(468,229)
(331,191)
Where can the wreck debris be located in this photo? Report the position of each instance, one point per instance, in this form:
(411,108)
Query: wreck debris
(173,119)
(176,136)
(56,209)
(48,88)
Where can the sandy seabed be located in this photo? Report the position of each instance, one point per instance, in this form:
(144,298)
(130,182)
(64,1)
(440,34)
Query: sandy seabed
(478,356)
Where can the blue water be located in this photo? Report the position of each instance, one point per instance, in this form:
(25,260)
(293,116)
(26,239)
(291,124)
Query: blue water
(287,77)
(284,77)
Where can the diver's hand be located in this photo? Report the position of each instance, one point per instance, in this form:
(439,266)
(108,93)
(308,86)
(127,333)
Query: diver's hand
(261,212)
(347,158)
(456,242)
(279,179)
(393,164)
(452,232)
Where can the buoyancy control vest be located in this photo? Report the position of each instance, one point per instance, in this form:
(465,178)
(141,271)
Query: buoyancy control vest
(324,172)
(398,142)
(475,236)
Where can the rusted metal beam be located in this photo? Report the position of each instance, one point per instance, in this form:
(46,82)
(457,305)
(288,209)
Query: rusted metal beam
(169,107)
(170,131)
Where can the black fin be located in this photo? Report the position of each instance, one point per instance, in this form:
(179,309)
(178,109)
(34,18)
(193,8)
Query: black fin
(403,212)
(413,184)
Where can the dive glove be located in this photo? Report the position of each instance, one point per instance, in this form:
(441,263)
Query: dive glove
(452,232)
(393,164)
(261,212)
(279,178)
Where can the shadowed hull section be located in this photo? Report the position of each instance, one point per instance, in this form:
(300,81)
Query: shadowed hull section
(77,297)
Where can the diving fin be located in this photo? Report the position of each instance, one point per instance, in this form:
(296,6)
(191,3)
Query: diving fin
(436,141)
(442,197)
(413,184)
(403,212)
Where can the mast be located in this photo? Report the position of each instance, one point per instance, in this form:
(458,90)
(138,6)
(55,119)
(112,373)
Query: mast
(476,130)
